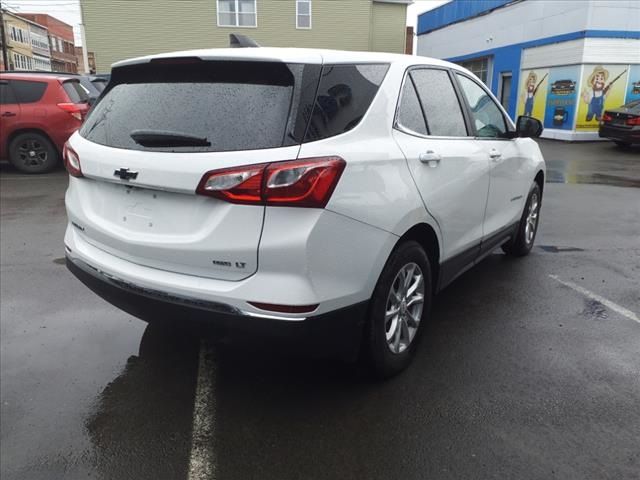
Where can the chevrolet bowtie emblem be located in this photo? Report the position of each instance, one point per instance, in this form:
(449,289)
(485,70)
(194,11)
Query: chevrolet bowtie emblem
(125,174)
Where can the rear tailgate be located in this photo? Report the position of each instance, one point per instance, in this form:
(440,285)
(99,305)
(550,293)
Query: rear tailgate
(138,200)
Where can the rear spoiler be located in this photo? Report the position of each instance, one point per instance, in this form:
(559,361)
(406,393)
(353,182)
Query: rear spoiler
(241,41)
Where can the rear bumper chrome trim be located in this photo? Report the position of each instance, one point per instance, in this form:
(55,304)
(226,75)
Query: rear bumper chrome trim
(216,307)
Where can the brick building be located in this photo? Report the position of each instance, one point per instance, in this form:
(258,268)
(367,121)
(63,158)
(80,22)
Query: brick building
(90,56)
(63,53)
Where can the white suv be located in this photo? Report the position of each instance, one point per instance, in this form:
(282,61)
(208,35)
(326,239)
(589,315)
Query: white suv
(325,193)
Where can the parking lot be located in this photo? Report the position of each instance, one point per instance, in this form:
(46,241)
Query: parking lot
(529,368)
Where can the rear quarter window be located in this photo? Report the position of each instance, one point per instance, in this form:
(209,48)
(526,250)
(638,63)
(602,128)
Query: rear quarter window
(27,91)
(344,95)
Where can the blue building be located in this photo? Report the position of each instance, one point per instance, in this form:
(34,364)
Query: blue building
(562,61)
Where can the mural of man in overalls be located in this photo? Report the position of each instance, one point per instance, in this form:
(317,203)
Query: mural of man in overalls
(595,98)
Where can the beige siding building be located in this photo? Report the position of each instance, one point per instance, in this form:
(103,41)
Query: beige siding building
(18,38)
(116,29)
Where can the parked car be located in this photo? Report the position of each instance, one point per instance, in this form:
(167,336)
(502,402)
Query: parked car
(563,87)
(38,113)
(327,193)
(93,85)
(622,125)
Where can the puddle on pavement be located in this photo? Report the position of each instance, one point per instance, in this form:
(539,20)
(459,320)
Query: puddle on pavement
(60,261)
(593,308)
(556,176)
(556,249)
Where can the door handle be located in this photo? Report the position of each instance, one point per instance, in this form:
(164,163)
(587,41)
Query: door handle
(494,154)
(430,157)
(8,114)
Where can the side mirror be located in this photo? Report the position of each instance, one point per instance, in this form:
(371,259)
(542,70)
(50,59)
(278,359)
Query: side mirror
(528,127)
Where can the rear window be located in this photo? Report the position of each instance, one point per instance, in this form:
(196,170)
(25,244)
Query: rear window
(228,105)
(75,91)
(194,105)
(27,91)
(635,106)
(99,84)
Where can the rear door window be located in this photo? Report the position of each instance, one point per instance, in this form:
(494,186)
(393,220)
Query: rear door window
(440,102)
(75,91)
(410,114)
(224,106)
(27,91)
(344,95)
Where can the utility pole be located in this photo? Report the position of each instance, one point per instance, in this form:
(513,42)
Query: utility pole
(83,37)
(5,57)
(85,53)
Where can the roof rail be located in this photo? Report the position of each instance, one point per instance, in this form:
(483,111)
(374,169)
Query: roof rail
(241,41)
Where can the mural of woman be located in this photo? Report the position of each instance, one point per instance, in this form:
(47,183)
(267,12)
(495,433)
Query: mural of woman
(530,94)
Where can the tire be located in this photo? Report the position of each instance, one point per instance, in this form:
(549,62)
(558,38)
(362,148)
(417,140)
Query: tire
(622,144)
(528,228)
(387,358)
(32,152)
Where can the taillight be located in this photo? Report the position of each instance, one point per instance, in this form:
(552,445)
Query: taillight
(633,121)
(236,185)
(297,183)
(71,161)
(76,110)
(606,117)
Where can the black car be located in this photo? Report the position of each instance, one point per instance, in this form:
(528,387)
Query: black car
(563,87)
(622,125)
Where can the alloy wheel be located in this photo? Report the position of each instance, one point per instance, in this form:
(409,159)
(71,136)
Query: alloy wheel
(32,153)
(404,308)
(532,219)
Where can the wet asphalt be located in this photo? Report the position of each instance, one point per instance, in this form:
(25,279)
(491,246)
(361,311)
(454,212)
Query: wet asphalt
(517,375)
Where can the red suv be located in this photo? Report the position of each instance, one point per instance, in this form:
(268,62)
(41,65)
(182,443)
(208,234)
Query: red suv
(38,113)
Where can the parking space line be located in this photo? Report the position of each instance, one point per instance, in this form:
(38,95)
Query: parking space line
(594,296)
(202,464)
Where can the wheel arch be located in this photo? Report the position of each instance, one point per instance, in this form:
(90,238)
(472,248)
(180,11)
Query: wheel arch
(20,131)
(426,236)
(539,179)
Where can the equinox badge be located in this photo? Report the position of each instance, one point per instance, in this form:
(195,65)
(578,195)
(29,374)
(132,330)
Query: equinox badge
(125,174)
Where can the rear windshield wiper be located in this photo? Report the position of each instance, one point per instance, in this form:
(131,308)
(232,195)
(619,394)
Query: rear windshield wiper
(163,138)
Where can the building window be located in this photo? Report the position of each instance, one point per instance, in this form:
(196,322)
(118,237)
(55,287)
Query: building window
(22,62)
(237,13)
(19,35)
(479,67)
(303,13)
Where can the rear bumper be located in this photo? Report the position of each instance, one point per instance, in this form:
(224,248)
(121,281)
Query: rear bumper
(332,334)
(61,133)
(630,135)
